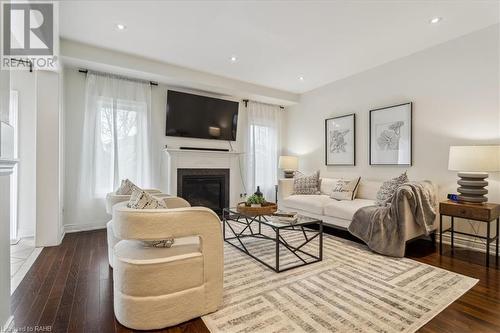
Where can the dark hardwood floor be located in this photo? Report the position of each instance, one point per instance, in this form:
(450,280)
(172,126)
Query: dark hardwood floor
(70,289)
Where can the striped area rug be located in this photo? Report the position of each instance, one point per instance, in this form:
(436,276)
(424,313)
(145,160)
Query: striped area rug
(351,290)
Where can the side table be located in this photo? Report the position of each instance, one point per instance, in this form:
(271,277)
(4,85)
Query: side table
(486,213)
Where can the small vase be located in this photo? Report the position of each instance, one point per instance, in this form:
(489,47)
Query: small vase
(258,192)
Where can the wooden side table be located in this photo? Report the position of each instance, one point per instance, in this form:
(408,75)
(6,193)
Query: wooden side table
(486,213)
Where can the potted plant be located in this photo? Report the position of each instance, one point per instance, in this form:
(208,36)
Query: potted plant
(255,201)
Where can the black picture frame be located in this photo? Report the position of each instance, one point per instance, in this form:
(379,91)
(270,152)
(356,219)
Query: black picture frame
(410,135)
(353,157)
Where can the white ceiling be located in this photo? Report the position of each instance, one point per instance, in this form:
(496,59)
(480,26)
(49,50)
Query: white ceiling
(275,41)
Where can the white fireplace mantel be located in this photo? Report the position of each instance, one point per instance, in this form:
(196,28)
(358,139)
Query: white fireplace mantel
(173,159)
(6,166)
(209,152)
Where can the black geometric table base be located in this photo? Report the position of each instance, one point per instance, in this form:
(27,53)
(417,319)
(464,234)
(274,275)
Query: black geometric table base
(232,219)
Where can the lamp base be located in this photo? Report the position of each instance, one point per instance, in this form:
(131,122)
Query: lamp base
(472,187)
(288,173)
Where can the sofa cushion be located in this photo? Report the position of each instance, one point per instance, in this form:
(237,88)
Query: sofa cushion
(368,189)
(345,209)
(312,203)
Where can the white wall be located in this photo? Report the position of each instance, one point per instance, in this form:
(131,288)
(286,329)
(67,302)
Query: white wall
(74,96)
(49,204)
(454,88)
(25,84)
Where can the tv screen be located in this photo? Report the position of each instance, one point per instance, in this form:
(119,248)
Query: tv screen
(195,116)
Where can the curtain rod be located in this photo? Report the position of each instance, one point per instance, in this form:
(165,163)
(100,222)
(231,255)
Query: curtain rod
(246,104)
(152,83)
(29,62)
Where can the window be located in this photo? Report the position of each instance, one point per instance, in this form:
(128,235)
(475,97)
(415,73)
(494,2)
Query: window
(263,163)
(263,147)
(118,150)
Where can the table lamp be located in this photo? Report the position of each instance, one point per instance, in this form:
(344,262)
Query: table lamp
(288,164)
(473,164)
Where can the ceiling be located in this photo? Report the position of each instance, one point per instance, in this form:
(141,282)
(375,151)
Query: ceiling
(275,42)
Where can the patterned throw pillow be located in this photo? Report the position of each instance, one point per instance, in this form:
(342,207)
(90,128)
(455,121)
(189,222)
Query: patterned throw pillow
(388,189)
(160,243)
(306,184)
(126,187)
(345,189)
(143,200)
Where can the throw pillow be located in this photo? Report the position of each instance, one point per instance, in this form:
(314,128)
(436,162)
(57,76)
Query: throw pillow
(327,185)
(345,189)
(306,184)
(143,200)
(160,243)
(126,187)
(388,189)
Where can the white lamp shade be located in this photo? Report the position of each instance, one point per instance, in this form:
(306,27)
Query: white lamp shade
(474,158)
(288,162)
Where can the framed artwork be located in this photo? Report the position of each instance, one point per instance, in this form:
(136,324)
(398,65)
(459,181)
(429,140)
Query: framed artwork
(391,135)
(340,140)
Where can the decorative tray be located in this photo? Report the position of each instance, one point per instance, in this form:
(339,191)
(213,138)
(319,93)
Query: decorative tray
(266,209)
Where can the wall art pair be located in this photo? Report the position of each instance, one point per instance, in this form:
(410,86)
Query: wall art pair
(390,137)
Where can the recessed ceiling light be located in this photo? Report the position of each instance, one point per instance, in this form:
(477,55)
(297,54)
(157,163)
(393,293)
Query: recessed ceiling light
(435,20)
(233,58)
(301,78)
(121,26)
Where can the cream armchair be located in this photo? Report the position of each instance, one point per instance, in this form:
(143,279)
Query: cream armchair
(160,287)
(170,201)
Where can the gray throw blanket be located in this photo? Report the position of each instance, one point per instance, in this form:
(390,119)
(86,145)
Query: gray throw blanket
(383,228)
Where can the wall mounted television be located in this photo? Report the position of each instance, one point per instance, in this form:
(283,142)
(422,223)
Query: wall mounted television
(195,116)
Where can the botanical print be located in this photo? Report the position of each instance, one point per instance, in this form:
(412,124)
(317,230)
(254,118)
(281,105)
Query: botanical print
(338,142)
(390,135)
(388,138)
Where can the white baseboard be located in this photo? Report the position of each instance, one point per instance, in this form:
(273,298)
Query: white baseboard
(69,228)
(472,243)
(7,326)
(62,233)
(23,233)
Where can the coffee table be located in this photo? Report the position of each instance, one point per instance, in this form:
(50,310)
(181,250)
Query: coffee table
(285,238)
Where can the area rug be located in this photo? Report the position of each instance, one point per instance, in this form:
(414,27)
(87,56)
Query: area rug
(351,290)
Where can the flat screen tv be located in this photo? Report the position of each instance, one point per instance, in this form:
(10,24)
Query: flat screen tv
(195,116)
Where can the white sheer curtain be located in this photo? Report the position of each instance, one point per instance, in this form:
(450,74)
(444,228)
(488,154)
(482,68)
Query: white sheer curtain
(116,140)
(263,147)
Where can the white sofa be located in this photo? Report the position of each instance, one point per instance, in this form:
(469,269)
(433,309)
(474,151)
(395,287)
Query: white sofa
(337,213)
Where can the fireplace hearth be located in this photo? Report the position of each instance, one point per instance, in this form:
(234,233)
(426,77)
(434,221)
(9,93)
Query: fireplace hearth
(204,187)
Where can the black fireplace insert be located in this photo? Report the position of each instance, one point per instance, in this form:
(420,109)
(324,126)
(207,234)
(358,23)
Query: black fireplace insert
(204,187)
